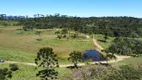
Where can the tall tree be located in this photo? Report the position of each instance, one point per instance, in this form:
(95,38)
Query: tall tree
(76,57)
(47,59)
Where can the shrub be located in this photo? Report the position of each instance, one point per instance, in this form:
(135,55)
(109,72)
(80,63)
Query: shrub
(13,67)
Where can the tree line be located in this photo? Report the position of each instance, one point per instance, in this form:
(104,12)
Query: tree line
(112,26)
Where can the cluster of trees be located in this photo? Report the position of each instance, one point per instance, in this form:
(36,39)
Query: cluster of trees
(126,46)
(112,26)
(8,23)
(9,20)
(65,33)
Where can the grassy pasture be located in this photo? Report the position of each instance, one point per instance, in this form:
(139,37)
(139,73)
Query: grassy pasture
(19,45)
(14,55)
(29,72)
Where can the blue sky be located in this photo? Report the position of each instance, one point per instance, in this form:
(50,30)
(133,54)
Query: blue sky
(73,7)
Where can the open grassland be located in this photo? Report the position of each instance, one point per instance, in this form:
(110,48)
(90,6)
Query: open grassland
(29,72)
(19,45)
(13,55)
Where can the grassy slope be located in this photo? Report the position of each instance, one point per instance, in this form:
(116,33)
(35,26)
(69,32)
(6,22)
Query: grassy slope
(29,72)
(22,45)
(13,55)
(103,44)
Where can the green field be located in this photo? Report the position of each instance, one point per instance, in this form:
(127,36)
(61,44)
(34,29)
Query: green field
(19,45)
(29,72)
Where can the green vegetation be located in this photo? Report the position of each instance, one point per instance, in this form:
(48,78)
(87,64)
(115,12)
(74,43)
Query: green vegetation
(22,47)
(75,57)
(13,55)
(100,39)
(131,61)
(126,46)
(112,26)
(99,72)
(5,73)
(13,67)
(4,23)
(47,59)
(29,72)
(21,39)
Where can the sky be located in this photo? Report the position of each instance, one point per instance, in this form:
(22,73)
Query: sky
(82,8)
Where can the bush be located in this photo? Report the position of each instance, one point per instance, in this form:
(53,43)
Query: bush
(13,67)
(57,32)
(5,73)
